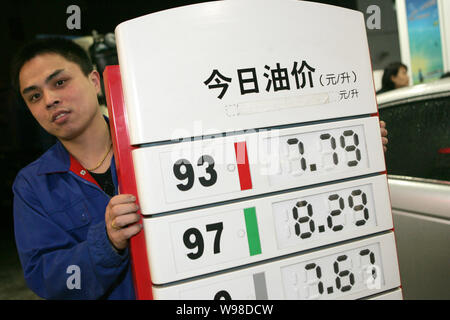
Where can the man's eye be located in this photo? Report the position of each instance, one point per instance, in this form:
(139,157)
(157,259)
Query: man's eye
(35,97)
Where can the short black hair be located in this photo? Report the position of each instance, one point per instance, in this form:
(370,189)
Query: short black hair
(62,46)
(391,70)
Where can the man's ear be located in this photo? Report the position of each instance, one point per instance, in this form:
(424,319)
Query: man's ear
(94,77)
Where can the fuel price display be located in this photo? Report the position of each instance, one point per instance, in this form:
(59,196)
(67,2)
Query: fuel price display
(282,192)
(317,216)
(318,153)
(347,271)
(332,276)
(188,244)
(189,174)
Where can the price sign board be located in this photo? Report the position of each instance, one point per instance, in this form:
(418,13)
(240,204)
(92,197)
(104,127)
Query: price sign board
(249,133)
(349,271)
(189,174)
(199,242)
(235,65)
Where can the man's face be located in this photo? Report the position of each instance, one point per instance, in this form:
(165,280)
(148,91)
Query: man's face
(61,98)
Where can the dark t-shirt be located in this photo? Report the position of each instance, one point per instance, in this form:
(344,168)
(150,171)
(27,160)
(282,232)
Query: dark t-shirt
(105,181)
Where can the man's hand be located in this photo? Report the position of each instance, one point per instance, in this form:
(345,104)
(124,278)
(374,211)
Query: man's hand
(121,217)
(384,134)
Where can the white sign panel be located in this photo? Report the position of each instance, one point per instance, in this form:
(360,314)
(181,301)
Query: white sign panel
(349,271)
(188,174)
(200,242)
(257,152)
(234,65)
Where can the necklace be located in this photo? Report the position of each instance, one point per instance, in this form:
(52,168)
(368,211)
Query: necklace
(101,162)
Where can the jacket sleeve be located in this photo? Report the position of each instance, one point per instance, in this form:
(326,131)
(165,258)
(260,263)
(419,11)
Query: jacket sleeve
(55,264)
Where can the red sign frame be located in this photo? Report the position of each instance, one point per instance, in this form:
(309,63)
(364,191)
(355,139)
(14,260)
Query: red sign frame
(126,176)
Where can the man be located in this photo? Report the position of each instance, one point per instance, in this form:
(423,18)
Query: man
(71,230)
(68,221)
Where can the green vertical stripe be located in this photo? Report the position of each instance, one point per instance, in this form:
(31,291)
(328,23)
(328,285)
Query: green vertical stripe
(251,224)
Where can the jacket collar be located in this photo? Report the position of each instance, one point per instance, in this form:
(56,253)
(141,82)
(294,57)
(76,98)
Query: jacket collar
(56,159)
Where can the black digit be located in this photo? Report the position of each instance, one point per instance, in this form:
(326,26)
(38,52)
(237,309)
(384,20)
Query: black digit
(216,227)
(311,266)
(306,208)
(327,136)
(353,147)
(222,295)
(343,273)
(301,151)
(334,213)
(210,170)
(197,243)
(360,208)
(188,174)
(371,256)
(183,170)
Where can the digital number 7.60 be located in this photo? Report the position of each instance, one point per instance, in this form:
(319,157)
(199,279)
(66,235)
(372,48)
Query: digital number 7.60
(193,238)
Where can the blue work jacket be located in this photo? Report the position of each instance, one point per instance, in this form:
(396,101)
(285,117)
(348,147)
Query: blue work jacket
(59,224)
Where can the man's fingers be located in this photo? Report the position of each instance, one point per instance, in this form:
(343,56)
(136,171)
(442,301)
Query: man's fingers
(121,220)
(120,237)
(130,231)
(123,208)
(382,124)
(121,198)
(124,220)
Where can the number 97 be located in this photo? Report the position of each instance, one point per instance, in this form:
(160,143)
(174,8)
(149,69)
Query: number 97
(193,238)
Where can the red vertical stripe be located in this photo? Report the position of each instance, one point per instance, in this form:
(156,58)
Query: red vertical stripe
(243,166)
(125,175)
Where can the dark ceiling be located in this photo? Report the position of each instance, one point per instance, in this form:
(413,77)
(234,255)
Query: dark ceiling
(22,20)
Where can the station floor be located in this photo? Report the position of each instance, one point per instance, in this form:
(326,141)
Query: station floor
(12,283)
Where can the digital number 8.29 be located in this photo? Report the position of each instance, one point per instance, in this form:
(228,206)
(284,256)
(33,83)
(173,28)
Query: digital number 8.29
(303,212)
